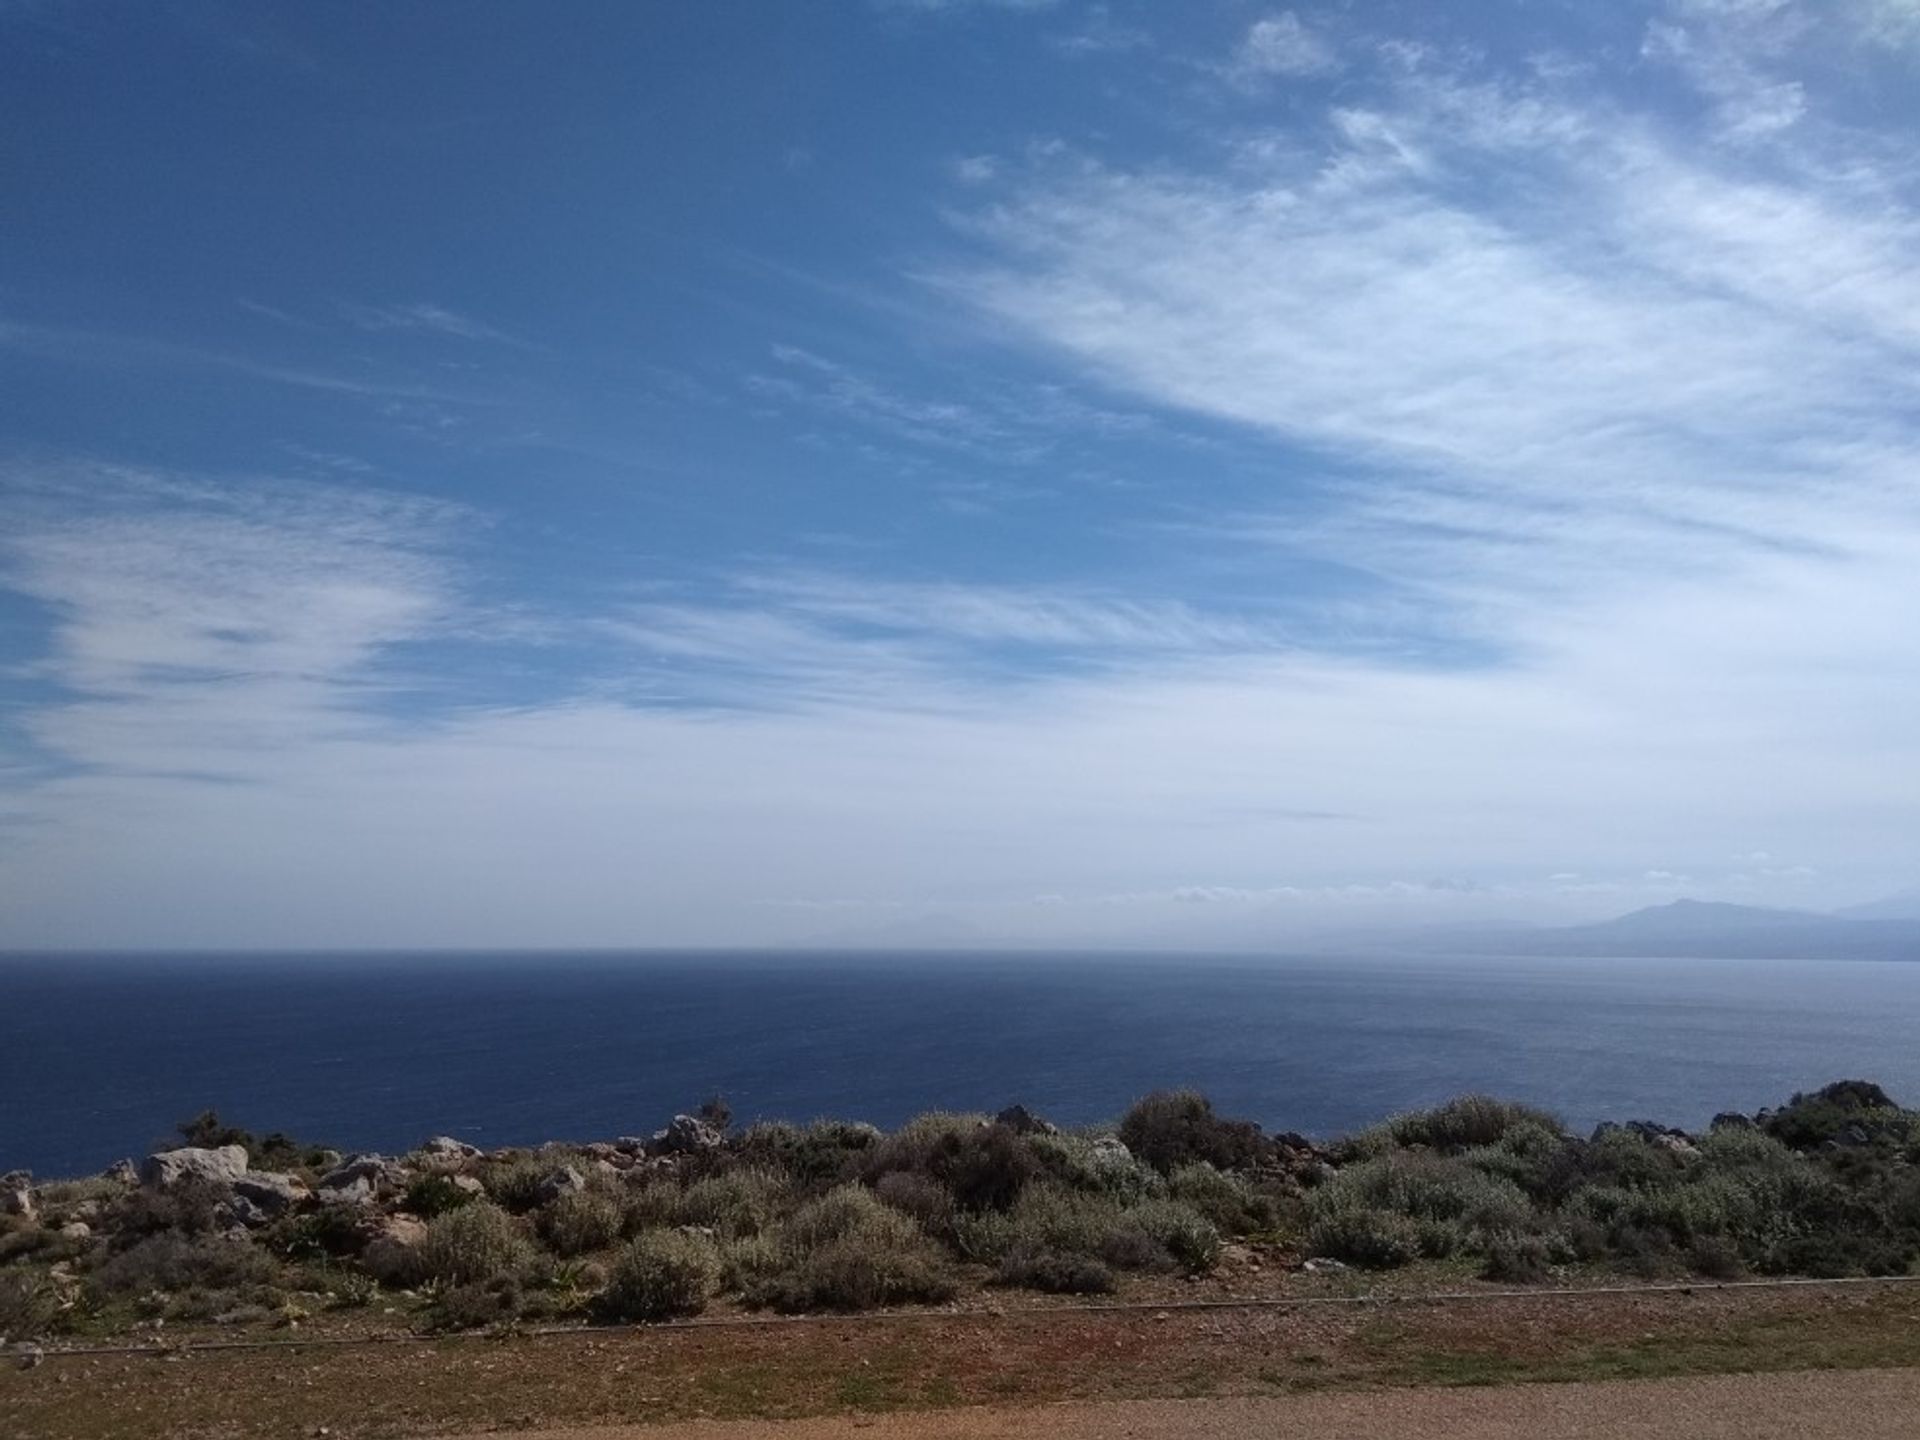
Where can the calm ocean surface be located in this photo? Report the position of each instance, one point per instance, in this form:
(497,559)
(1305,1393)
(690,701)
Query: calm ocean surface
(100,1056)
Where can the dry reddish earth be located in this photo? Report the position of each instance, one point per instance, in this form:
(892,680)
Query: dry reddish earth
(939,1362)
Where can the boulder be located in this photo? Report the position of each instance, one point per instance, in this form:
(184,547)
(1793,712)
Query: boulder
(564,1181)
(1112,1150)
(470,1184)
(273,1193)
(168,1168)
(686,1135)
(359,1180)
(631,1145)
(77,1230)
(445,1147)
(392,1255)
(16,1194)
(238,1213)
(1023,1121)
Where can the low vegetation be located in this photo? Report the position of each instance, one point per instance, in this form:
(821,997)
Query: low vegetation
(843,1217)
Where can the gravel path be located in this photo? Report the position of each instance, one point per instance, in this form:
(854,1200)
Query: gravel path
(1846,1405)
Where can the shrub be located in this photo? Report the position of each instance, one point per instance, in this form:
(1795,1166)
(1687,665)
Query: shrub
(1179,1230)
(1434,1188)
(431,1195)
(816,1158)
(1360,1235)
(28,1305)
(1459,1124)
(735,1202)
(583,1221)
(514,1184)
(180,1262)
(477,1242)
(1808,1121)
(188,1208)
(1081,1164)
(264,1152)
(1055,1272)
(1519,1260)
(1230,1204)
(855,1273)
(1716,1257)
(661,1274)
(1170,1129)
(921,1198)
(494,1301)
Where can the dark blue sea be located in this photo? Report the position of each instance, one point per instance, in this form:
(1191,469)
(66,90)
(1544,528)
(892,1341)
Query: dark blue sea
(100,1056)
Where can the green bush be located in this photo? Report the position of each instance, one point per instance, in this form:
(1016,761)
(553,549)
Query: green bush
(856,1273)
(498,1300)
(736,1202)
(983,1166)
(514,1183)
(1519,1260)
(1427,1187)
(181,1262)
(580,1222)
(475,1243)
(661,1274)
(1054,1272)
(1359,1235)
(1459,1124)
(28,1305)
(431,1195)
(1079,1162)
(1170,1129)
(1229,1203)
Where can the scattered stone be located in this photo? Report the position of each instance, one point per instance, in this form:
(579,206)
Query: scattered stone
(686,1135)
(168,1168)
(1323,1265)
(1023,1121)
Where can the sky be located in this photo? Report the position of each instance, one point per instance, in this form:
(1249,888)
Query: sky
(946,471)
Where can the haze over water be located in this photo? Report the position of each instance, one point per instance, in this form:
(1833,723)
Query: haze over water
(100,1056)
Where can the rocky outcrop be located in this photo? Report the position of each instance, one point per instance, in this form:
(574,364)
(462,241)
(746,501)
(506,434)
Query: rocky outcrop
(167,1168)
(16,1194)
(360,1180)
(686,1135)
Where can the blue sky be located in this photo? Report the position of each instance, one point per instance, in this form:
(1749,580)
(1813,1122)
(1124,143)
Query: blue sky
(1055,472)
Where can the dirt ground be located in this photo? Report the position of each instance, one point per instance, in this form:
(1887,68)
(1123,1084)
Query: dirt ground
(1816,1405)
(869,1368)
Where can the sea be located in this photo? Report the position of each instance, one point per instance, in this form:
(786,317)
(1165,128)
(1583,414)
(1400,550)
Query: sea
(102,1056)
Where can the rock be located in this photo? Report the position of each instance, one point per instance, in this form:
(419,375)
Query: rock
(564,1181)
(356,1181)
(470,1184)
(686,1135)
(28,1355)
(1677,1143)
(122,1172)
(237,1212)
(273,1193)
(445,1147)
(1023,1121)
(16,1194)
(1323,1265)
(392,1254)
(1731,1120)
(1111,1150)
(168,1168)
(630,1145)
(1856,1136)
(77,1230)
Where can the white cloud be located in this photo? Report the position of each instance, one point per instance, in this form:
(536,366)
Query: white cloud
(1282,45)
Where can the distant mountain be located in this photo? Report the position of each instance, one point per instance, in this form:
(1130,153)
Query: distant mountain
(1904,906)
(1703,929)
